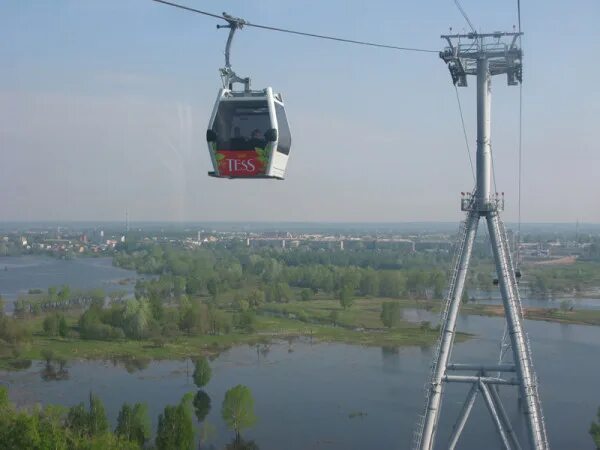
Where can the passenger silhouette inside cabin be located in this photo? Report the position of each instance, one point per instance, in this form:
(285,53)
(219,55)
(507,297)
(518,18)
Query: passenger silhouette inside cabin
(237,140)
(257,139)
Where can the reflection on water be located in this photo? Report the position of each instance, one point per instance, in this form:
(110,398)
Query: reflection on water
(131,363)
(241,444)
(201,404)
(55,370)
(306,398)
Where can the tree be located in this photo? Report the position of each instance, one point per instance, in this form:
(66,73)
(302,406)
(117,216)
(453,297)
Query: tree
(175,427)
(346,297)
(369,282)
(390,314)
(63,328)
(256,298)
(133,424)
(50,325)
(88,423)
(77,419)
(238,409)
(137,317)
(98,423)
(202,372)
(391,284)
(124,421)
(305,295)
(595,431)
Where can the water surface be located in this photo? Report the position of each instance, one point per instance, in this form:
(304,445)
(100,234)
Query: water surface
(306,394)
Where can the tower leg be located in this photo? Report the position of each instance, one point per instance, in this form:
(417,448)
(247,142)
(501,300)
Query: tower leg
(518,337)
(463,416)
(426,436)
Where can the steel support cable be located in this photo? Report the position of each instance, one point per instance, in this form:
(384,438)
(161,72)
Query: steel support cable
(300,33)
(464,14)
(493,168)
(462,121)
(520,143)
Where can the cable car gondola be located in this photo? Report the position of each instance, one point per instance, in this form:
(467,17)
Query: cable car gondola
(248,134)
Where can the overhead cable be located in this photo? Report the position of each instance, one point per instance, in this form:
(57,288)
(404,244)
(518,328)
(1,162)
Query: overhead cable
(300,33)
(464,14)
(462,121)
(520,141)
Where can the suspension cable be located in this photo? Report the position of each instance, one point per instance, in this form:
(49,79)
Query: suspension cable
(300,33)
(464,14)
(520,143)
(462,121)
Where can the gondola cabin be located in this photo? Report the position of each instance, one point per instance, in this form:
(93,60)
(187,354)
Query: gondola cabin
(248,135)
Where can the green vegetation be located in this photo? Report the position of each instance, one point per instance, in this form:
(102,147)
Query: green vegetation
(207,299)
(52,427)
(595,431)
(553,280)
(390,314)
(175,426)
(202,372)
(581,317)
(81,428)
(133,423)
(238,409)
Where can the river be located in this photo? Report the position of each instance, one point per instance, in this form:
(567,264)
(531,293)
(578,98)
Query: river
(18,274)
(306,394)
(321,396)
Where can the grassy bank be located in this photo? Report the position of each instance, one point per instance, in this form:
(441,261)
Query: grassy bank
(323,320)
(575,317)
(359,325)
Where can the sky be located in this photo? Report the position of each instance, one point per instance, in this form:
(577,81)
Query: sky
(104,107)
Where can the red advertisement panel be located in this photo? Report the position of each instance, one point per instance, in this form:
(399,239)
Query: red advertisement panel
(241,163)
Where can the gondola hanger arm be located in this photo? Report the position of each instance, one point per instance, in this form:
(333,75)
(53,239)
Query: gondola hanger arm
(228,76)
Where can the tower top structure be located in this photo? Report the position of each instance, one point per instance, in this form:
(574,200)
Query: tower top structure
(499,48)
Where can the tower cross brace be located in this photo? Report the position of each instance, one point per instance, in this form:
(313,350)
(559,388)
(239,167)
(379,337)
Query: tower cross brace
(484,56)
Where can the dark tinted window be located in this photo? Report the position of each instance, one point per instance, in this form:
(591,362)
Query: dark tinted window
(285,137)
(241,125)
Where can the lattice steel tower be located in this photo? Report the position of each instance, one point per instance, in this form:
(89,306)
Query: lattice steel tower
(484,55)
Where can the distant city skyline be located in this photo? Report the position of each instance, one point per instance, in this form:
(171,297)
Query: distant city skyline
(104,106)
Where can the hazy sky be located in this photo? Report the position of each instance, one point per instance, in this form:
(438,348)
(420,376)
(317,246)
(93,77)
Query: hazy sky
(104,106)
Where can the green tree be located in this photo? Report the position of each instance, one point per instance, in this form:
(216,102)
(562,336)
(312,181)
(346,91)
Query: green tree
(137,317)
(63,328)
(369,282)
(77,419)
(64,295)
(97,416)
(247,321)
(238,409)
(345,296)
(256,298)
(595,431)
(133,423)
(390,314)
(175,427)
(50,325)
(202,372)
(305,295)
